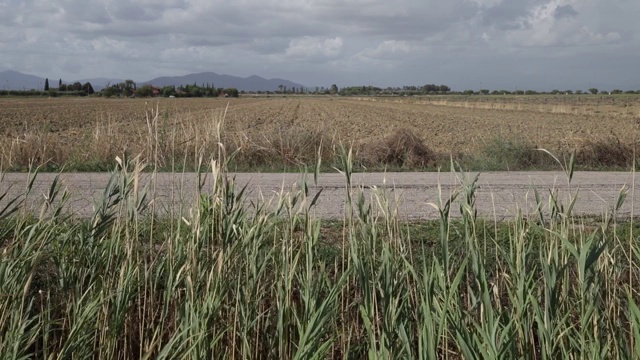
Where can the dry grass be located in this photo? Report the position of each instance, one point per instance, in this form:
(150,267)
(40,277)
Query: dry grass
(606,153)
(402,148)
(286,148)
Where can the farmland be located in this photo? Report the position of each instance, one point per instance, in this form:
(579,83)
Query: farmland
(279,132)
(233,276)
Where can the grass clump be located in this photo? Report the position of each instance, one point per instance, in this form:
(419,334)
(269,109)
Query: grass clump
(401,149)
(285,149)
(511,155)
(606,153)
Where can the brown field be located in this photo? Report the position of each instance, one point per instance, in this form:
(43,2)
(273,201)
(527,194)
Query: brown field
(86,133)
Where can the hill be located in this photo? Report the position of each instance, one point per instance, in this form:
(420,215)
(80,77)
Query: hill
(13,80)
(251,83)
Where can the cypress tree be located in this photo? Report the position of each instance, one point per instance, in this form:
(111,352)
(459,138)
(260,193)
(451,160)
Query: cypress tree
(46,84)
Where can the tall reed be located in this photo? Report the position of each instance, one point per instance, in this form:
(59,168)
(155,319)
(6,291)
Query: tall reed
(225,278)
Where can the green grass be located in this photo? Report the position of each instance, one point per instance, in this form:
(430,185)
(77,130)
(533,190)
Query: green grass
(223,280)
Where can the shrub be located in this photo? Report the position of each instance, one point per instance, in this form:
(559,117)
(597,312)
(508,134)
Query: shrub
(502,154)
(291,148)
(402,148)
(605,153)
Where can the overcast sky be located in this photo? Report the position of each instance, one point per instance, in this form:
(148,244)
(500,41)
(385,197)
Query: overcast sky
(495,44)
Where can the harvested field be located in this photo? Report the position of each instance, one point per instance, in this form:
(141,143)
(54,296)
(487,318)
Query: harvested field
(89,132)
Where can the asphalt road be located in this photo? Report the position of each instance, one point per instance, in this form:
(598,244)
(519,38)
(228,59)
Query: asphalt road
(499,195)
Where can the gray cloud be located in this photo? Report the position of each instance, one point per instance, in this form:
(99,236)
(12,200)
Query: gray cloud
(565,11)
(499,43)
(506,15)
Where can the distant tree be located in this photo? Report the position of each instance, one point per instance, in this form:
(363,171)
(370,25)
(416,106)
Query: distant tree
(59,83)
(110,91)
(484,91)
(578,92)
(87,88)
(144,91)
(168,91)
(77,86)
(195,91)
(429,88)
(593,91)
(231,92)
(46,84)
(62,87)
(334,89)
(616,91)
(280,87)
(128,87)
(468,92)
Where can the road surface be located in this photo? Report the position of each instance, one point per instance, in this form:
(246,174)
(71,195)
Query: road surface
(499,194)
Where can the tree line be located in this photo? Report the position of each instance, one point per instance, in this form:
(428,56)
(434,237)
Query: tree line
(432,89)
(129,88)
(75,89)
(404,90)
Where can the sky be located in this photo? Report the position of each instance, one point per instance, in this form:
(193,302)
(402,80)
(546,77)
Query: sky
(466,44)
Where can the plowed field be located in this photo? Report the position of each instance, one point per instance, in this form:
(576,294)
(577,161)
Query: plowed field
(79,130)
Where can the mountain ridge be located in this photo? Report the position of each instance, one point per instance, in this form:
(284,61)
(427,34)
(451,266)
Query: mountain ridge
(14,80)
(250,83)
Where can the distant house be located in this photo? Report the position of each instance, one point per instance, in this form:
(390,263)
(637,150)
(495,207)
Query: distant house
(155,91)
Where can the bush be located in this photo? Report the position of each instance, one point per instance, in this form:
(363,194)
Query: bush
(291,148)
(402,148)
(610,152)
(502,154)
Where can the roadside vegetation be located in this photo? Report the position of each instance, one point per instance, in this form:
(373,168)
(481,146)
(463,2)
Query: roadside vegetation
(226,278)
(229,279)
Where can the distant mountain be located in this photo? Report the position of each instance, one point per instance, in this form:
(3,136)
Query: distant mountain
(251,83)
(13,80)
